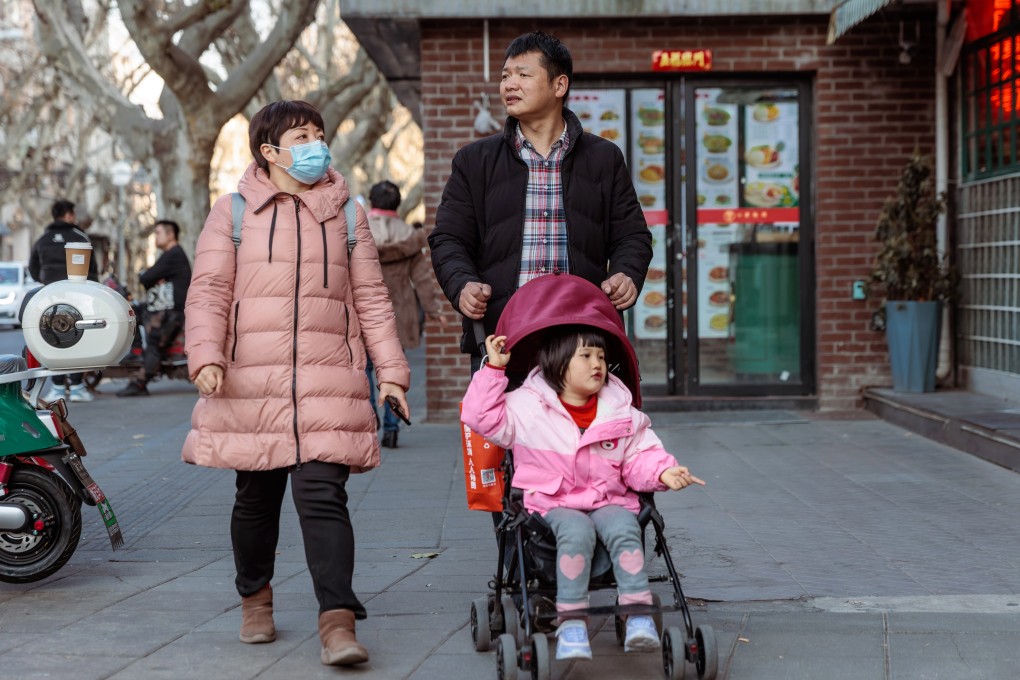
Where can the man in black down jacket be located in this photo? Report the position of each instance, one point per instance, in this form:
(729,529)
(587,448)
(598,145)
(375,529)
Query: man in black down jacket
(544,196)
(47,264)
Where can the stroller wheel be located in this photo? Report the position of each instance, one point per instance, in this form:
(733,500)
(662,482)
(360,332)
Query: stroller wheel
(511,620)
(708,656)
(506,657)
(674,646)
(481,633)
(540,665)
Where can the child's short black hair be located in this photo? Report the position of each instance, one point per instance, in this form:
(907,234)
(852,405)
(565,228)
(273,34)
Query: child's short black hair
(558,347)
(272,120)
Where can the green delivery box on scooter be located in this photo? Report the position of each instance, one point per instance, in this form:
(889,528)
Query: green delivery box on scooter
(69,326)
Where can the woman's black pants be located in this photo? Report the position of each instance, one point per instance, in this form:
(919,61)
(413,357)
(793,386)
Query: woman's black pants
(320,498)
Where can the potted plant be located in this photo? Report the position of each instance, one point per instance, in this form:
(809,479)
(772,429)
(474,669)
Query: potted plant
(912,275)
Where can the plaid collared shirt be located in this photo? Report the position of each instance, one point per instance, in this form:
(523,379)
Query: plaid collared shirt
(544,250)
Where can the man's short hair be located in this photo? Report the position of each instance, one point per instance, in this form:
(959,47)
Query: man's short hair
(385,195)
(61,208)
(173,226)
(272,120)
(556,59)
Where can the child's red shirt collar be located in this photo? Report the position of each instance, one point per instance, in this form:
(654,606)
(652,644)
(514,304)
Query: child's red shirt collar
(585,414)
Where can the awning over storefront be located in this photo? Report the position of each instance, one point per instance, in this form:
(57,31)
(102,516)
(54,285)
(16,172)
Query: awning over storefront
(849,13)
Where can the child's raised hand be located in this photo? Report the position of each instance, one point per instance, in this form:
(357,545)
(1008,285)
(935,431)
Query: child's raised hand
(496,348)
(678,477)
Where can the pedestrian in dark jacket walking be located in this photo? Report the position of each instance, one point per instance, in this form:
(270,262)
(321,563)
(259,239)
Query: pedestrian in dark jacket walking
(542,197)
(166,286)
(47,264)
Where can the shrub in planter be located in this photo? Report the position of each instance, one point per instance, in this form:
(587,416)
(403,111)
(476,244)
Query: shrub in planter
(912,277)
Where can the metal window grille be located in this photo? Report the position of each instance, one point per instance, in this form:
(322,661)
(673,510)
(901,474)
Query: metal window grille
(988,236)
(991,100)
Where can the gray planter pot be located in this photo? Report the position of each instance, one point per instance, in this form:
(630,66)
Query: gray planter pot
(912,331)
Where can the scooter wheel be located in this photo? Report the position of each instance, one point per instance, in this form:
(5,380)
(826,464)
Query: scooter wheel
(28,557)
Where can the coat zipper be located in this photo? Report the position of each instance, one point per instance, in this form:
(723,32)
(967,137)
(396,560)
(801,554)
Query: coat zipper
(233,349)
(325,257)
(347,333)
(272,233)
(294,352)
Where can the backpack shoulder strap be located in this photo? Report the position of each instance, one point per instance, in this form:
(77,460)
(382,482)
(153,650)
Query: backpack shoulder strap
(351,215)
(237,212)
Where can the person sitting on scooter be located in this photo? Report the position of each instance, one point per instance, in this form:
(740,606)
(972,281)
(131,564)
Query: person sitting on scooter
(166,285)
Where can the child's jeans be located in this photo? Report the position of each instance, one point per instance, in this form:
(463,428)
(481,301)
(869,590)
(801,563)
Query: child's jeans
(576,533)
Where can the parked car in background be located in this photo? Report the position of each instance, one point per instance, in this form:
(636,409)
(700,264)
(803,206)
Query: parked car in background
(15,281)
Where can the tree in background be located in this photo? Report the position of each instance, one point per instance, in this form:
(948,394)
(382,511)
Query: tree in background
(216,59)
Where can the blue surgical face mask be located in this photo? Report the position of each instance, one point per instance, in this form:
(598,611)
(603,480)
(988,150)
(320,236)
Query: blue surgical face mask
(309,162)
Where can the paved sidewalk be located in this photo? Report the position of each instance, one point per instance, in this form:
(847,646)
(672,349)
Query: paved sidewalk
(821,548)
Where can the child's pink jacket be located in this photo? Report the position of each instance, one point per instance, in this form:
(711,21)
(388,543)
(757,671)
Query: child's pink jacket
(554,464)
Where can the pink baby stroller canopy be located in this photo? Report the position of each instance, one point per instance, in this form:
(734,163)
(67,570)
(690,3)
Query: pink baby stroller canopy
(565,299)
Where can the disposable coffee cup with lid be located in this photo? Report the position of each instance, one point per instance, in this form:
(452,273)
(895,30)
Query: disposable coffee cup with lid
(78,255)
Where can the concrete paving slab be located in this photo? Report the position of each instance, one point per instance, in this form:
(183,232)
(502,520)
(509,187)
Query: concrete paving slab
(823,542)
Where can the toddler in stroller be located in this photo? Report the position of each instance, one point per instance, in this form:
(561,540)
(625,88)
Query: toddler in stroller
(581,455)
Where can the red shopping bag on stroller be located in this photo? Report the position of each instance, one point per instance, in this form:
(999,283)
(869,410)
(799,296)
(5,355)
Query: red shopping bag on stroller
(483,476)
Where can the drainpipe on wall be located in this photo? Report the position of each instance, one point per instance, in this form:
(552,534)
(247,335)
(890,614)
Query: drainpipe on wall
(945,366)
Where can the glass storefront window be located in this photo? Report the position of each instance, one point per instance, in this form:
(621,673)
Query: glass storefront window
(635,120)
(717,171)
(748,226)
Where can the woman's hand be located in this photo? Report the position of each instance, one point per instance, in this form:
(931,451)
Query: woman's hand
(496,349)
(678,477)
(387,389)
(209,380)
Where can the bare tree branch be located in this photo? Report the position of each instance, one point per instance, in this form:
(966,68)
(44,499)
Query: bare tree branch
(179,70)
(63,46)
(293,18)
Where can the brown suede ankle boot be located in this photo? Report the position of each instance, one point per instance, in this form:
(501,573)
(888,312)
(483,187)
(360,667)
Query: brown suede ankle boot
(257,617)
(339,646)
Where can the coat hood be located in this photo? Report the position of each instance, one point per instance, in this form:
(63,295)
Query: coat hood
(565,299)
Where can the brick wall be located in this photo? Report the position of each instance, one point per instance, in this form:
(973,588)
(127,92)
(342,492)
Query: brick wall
(870,114)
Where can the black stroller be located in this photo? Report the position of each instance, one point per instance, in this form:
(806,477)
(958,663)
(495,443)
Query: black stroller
(521,609)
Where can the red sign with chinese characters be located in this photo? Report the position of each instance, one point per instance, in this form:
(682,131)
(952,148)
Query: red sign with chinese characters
(682,60)
(748,215)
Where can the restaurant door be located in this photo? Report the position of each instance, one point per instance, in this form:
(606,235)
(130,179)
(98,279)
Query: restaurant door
(727,308)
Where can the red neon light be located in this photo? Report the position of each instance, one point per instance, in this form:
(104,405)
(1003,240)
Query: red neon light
(985,17)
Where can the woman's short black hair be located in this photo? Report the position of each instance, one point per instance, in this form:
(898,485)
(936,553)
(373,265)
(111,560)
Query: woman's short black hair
(556,59)
(558,347)
(385,195)
(272,120)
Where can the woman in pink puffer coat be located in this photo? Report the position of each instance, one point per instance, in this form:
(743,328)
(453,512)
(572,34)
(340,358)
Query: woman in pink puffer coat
(277,333)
